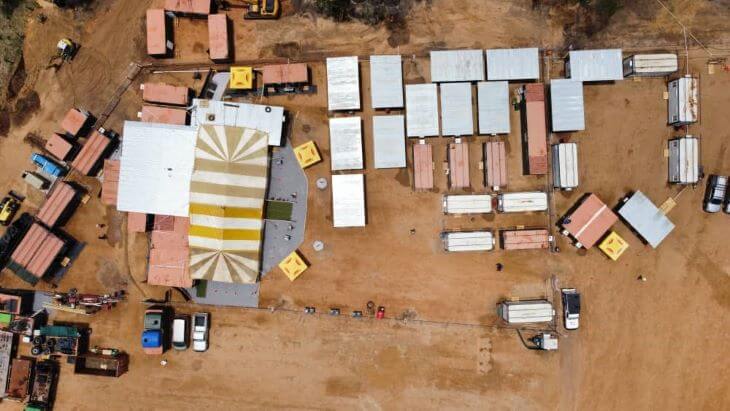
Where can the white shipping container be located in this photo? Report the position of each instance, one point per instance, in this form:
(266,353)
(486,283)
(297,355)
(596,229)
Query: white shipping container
(461,241)
(683,101)
(467,204)
(650,65)
(565,166)
(520,312)
(522,202)
(684,160)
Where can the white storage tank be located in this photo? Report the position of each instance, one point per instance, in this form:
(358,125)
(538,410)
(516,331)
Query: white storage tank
(565,166)
(684,160)
(684,100)
(650,65)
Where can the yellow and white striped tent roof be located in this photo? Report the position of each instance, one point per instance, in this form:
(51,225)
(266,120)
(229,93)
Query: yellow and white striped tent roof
(227,192)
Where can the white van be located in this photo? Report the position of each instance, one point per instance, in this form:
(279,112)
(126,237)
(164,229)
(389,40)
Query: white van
(522,202)
(180,332)
(530,311)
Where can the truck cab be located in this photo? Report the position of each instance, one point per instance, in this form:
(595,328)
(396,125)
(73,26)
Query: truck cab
(571,308)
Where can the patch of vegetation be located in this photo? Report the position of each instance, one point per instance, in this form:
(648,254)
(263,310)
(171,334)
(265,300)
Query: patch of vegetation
(13,18)
(582,19)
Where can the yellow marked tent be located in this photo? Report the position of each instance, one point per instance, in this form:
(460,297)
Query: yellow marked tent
(241,78)
(613,246)
(227,189)
(307,154)
(293,265)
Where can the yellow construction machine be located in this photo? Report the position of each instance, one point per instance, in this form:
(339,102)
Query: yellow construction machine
(262,9)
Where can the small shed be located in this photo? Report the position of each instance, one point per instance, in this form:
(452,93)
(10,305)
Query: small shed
(92,152)
(307,154)
(684,160)
(165,115)
(467,204)
(158,43)
(462,241)
(566,105)
(59,147)
(525,239)
(495,165)
(389,143)
(457,65)
(343,83)
(386,81)
(162,93)
(422,116)
(594,65)
(457,118)
(348,200)
(346,143)
(218,37)
(285,74)
(684,101)
(565,166)
(613,246)
(422,166)
(513,64)
(650,65)
(588,221)
(645,218)
(75,122)
(59,205)
(494,107)
(458,154)
(293,265)
(534,129)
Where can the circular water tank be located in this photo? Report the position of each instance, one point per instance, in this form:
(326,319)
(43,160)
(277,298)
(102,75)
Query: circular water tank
(318,245)
(322,183)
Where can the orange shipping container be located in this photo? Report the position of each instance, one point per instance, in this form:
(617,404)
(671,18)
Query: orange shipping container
(74,121)
(423,166)
(218,37)
(165,94)
(58,205)
(110,186)
(91,153)
(154,114)
(189,6)
(534,128)
(59,147)
(525,239)
(589,221)
(46,255)
(156,32)
(459,165)
(495,160)
(285,74)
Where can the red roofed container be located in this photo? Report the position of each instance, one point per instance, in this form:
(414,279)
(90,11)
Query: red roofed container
(75,122)
(154,114)
(47,254)
(525,239)
(495,165)
(218,42)
(588,222)
(201,7)
(285,74)
(458,165)
(110,185)
(59,147)
(59,205)
(35,254)
(158,44)
(165,94)
(423,166)
(89,158)
(534,129)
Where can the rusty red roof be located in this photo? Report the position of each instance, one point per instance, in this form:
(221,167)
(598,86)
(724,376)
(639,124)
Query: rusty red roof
(110,186)
(59,200)
(536,128)
(58,146)
(91,153)
(590,221)
(154,114)
(496,163)
(525,239)
(169,267)
(29,244)
(459,165)
(37,250)
(156,32)
(165,94)
(285,73)
(218,37)
(74,121)
(423,166)
(44,257)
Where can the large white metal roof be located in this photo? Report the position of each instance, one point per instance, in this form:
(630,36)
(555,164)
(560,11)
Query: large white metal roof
(513,64)
(269,119)
(343,83)
(457,65)
(422,116)
(566,105)
(389,141)
(493,106)
(386,81)
(346,143)
(457,118)
(348,200)
(648,220)
(155,168)
(595,65)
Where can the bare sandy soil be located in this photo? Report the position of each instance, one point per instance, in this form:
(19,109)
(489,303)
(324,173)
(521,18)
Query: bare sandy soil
(642,345)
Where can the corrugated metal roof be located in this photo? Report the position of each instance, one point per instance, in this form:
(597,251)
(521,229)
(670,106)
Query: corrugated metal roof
(285,73)
(457,65)
(495,166)
(536,129)
(565,165)
(423,166)
(74,121)
(156,165)
(91,153)
(165,94)
(389,142)
(386,81)
(457,118)
(566,105)
(525,239)
(58,146)
(57,203)
(47,253)
(684,160)
(348,200)
(156,32)
(493,106)
(589,221)
(268,119)
(169,254)
(458,241)
(343,83)
(458,165)
(513,64)
(165,115)
(648,220)
(595,65)
(346,143)
(218,42)
(422,117)
(29,245)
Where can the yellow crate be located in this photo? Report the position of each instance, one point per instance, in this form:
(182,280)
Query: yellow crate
(241,78)
(293,265)
(613,246)
(307,154)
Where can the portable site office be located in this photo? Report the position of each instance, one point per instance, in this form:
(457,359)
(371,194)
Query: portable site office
(684,160)
(566,105)
(456,110)
(525,239)
(495,164)
(461,241)
(458,156)
(650,65)
(683,101)
(467,204)
(565,166)
(343,83)
(594,65)
(522,202)
(493,107)
(534,129)
(530,311)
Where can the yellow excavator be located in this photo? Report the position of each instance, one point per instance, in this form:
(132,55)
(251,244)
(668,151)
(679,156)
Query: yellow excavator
(256,9)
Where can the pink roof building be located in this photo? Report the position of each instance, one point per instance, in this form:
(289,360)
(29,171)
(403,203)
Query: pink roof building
(169,263)
(58,205)
(525,239)
(91,153)
(589,221)
(189,6)
(154,114)
(423,166)
(74,121)
(285,74)
(458,165)
(156,32)
(495,166)
(110,185)
(59,147)
(165,94)
(218,37)
(536,128)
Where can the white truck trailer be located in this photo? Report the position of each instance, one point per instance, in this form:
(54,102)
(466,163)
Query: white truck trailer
(650,65)
(529,311)
(522,202)
(467,204)
(462,241)
(565,166)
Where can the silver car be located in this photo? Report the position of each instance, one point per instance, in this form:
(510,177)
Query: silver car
(715,194)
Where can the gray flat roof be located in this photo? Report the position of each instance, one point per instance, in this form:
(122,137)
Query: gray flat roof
(422,116)
(386,81)
(343,83)
(493,106)
(566,105)
(595,65)
(269,119)
(648,220)
(346,143)
(457,65)
(389,141)
(457,118)
(513,64)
